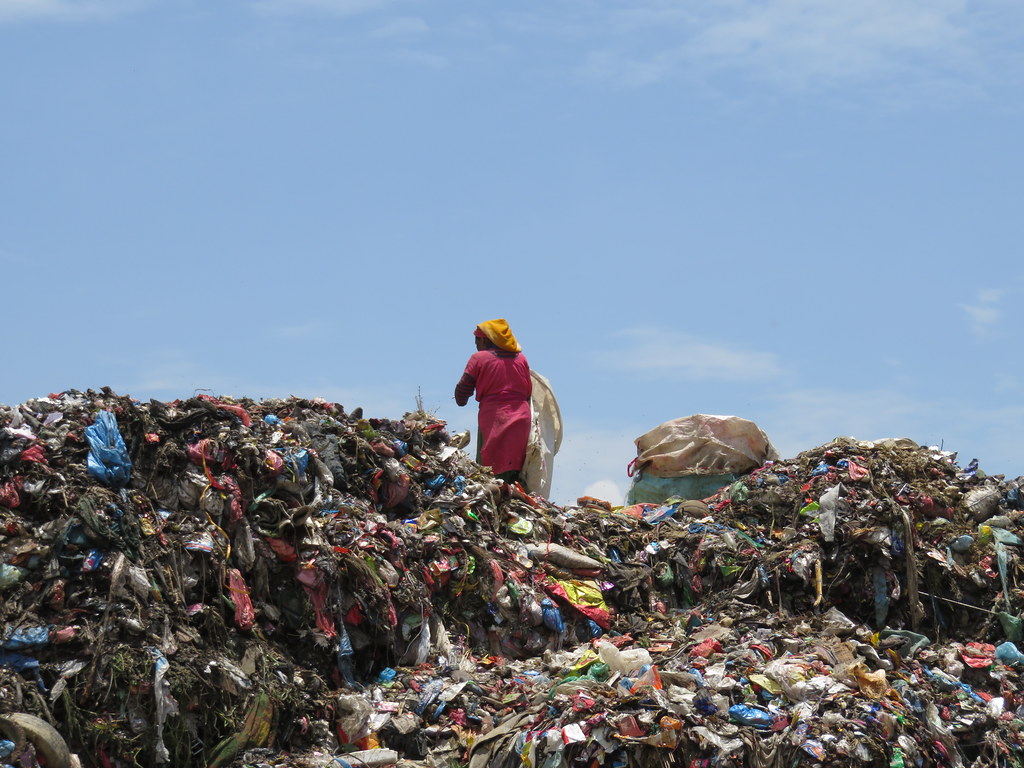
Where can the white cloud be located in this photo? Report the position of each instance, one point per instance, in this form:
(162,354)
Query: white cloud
(832,38)
(1005,382)
(629,72)
(592,462)
(669,353)
(403,27)
(332,7)
(421,59)
(806,418)
(803,43)
(607,490)
(984,313)
(67,10)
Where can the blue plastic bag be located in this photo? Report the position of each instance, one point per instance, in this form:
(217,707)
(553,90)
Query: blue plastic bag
(752,716)
(108,458)
(20,638)
(1007,653)
(297,460)
(552,616)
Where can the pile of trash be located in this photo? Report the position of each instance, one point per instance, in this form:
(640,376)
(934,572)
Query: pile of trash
(226,582)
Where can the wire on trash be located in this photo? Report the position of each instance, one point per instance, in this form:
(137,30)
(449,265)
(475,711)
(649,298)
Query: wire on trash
(957,602)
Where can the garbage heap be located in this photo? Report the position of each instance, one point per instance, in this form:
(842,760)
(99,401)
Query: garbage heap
(228,582)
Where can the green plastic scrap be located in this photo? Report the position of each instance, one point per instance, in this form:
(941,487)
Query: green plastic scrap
(1004,536)
(915,642)
(738,492)
(746,538)
(1012,626)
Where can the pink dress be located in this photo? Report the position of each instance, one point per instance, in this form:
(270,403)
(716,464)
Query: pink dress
(503,388)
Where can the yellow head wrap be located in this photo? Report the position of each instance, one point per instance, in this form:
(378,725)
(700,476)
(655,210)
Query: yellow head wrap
(500,335)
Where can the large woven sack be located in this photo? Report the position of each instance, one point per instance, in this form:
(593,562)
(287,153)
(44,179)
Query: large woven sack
(702,445)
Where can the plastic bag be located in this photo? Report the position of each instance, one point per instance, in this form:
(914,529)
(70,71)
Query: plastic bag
(353,718)
(620,661)
(108,458)
(552,616)
(166,705)
(1007,653)
(752,716)
(832,507)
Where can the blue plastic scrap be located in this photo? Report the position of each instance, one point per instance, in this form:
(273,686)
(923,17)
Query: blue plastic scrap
(752,716)
(656,515)
(1008,654)
(108,459)
(21,663)
(16,639)
(552,616)
(297,460)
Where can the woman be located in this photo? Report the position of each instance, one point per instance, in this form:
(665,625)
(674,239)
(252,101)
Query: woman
(500,375)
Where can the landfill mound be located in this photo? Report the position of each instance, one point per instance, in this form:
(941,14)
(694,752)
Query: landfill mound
(227,582)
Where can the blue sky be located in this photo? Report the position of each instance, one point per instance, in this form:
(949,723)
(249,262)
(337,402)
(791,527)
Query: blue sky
(801,212)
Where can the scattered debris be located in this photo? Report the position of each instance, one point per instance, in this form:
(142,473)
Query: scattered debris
(224,582)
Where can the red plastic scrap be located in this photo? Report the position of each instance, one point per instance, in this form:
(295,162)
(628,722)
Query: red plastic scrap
(393,541)
(764,650)
(978,655)
(355,615)
(499,576)
(274,462)
(382,449)
(35,452)
(313,582)
(630,728)
(582,701)
(697,584)
(244,612)
(986,566)
(10,493)
(396,492)
(206,451)
(238,410)
(857,472)
(706,647)
(230,485)
(600,616)
(285,552)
